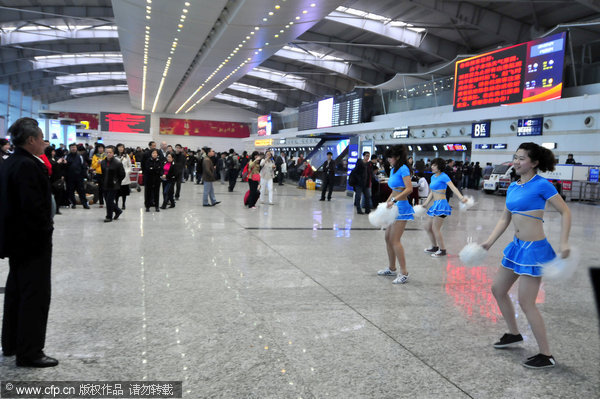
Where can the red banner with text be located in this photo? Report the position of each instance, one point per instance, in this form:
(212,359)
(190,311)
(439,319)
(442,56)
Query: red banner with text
(191,127)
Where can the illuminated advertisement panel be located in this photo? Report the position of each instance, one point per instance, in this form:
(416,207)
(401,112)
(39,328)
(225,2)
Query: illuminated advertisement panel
(124,122)
(89,120)
(523,73)
(325,113)
(191,127)
(264,125)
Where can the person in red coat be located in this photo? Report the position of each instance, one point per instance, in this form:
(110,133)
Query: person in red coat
(307,173)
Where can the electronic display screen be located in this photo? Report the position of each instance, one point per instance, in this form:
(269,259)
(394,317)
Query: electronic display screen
(481,129)
(264,125)
(345,109)
(325,113)
(526,72)
(530,127)
(124,123)
(455,147)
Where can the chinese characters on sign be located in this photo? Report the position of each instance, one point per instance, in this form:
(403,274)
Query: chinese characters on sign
(190,127)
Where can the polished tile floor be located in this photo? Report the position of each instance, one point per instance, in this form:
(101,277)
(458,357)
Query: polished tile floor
(284,302)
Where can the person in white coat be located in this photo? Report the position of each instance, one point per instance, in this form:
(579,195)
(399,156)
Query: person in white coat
(267,173)
(124,191)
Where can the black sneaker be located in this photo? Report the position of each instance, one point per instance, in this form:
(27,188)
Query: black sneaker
(540,361)
(431,250)
(508,340)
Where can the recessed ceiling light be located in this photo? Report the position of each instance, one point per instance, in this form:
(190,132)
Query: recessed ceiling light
(271,13)
(147,16)
(187,3)
(304,12)
(185,10)
(256,28)
(276,35)
(247,37)
(297,18)
(266,44)
(287,27)
(277,7)
(313,5)
(180,26)
(281,31)
(265,19)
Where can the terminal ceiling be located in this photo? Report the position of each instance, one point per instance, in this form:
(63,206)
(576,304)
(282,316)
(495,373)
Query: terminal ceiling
(173,56)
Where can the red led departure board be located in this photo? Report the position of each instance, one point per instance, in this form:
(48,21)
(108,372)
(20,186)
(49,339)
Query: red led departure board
(525,72)
(191,127)
(124,123)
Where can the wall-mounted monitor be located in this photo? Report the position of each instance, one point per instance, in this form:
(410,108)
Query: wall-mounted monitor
(523,73)
(264,125)
(345,109)
(124,122)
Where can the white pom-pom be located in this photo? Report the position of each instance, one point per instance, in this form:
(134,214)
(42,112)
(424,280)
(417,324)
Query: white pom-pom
(559,269)
(472,254)
(420,210)
(466,205)
(383,216)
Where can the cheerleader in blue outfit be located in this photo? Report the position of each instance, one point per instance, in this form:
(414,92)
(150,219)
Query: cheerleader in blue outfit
(524,256)
(440,208)
(401,186)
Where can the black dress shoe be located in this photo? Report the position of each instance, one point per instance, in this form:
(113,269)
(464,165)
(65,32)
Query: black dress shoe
(8,353)
(117,214)
(43,361)
(86,206)
(157,209)
(322,199)
(73,207)
(163,206)
(107,220)
(206,205)
(147,209)
(172,206)
(123,207)
(216,202)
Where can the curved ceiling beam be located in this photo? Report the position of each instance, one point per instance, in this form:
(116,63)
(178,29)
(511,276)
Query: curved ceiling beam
(288,95)
(50,34)
(484,19)
(260,100)
(389,61)
(429,44)
(234,104)
(304,84)
(17,52)
(29,13)
(336,83)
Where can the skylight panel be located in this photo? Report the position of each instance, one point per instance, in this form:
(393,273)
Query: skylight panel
(98,89)
(235,99)
(59,60)
(88,77)
(258,91)
(380,18)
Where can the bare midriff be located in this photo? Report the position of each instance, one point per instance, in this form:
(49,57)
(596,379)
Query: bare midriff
(527,228)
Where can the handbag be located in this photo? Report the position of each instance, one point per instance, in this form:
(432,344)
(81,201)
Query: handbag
(255,177)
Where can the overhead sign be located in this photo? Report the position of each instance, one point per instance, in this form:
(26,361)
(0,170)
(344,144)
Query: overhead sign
(530,127)
(263,142)
(124,122)
(481,129)
(264,125)
(401,133)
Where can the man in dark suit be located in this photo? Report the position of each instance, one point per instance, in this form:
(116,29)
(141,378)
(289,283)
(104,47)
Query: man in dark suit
(179,158)
(328,176)
(76,172)
(26,228)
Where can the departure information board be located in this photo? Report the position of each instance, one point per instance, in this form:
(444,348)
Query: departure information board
(341,110)
(124,122)
(526,72)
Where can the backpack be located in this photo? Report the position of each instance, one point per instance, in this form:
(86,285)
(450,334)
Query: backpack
(352,178)
(229,162)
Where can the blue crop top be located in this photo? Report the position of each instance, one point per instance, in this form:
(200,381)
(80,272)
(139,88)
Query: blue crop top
(395,182)
(531,196)
(439,182)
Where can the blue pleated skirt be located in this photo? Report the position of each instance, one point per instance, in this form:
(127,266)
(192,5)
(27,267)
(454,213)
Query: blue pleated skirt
(405,211)
(439,208)
(527,257)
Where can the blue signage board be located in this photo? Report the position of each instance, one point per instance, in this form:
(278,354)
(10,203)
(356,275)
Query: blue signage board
(491,146)
(481,129)
(593,176)
(353,158)
(530,127)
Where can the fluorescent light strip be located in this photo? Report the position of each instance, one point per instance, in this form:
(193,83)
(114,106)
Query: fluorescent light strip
(88,77)
(231,55)
(146,52)
(180,26)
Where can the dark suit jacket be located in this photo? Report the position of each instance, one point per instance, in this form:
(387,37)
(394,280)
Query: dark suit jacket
(329,168)
(26,223)
(113,174)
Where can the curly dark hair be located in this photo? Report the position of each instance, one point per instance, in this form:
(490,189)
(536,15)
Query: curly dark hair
(542,155)
(400,153)
(440,163)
